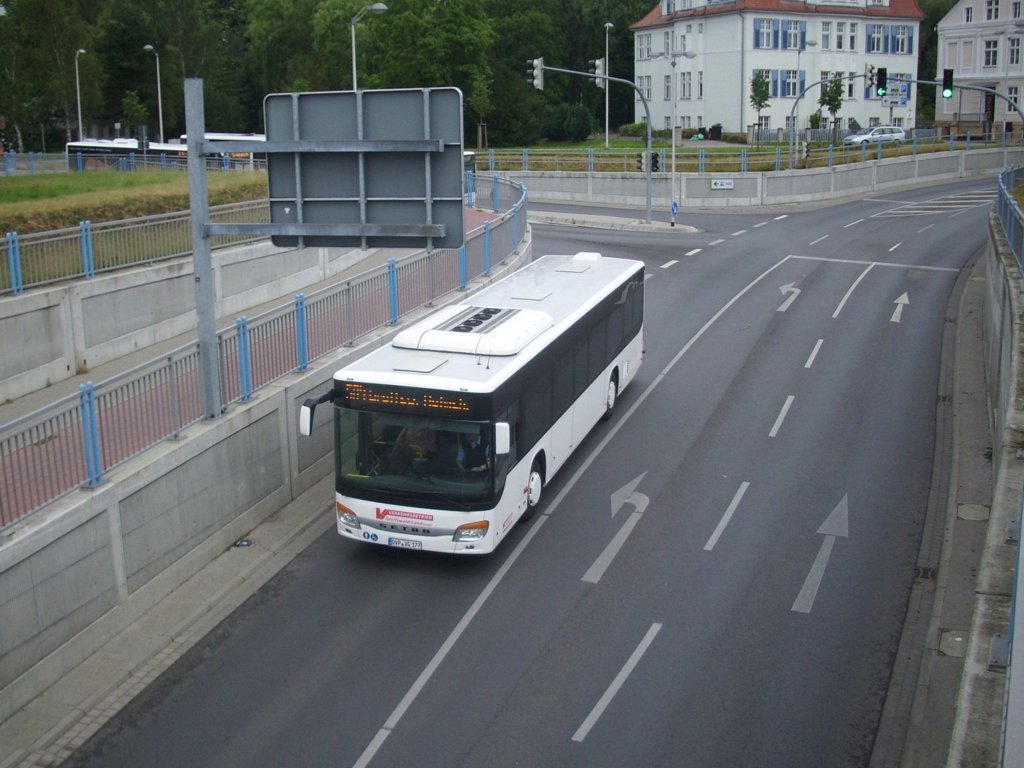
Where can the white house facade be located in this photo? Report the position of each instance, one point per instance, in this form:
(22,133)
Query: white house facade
(696,59)
(980,40)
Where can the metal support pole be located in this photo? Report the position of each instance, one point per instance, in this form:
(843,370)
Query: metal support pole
(202,261)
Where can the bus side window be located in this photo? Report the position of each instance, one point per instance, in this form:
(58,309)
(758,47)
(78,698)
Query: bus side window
(579,367)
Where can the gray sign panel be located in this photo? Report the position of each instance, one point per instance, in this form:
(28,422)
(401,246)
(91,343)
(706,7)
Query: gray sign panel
(366,168)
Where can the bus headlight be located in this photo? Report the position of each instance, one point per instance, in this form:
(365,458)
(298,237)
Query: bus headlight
(471,531)
(346,516)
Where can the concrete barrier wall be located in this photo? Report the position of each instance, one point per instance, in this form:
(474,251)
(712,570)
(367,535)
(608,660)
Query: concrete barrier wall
(762,188)
(75,574)
(68,329)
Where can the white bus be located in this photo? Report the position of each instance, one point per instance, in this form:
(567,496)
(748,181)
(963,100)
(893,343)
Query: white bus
(445,437)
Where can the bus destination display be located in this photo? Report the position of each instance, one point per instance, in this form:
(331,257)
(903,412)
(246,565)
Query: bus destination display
(407,399)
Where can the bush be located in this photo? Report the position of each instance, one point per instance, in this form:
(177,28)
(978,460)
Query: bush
(565,122)
(635,130)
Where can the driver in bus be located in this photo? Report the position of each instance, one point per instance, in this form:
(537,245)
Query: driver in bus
(474,455)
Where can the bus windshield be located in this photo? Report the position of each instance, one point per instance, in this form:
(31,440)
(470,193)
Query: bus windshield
(421,460)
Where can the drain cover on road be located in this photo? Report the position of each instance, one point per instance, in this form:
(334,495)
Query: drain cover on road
(953,642)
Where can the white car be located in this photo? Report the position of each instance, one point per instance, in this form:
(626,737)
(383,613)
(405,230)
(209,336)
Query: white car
(880,133)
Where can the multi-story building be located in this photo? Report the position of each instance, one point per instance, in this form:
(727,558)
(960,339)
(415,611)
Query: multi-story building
(696,59)
(980,40)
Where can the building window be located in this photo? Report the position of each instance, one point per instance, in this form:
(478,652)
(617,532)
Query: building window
(685,85)
(700,28)
(968,15)
(840,31)
(682,43)
(764,34)
(1014,52)
(668,87)
(1015,9)
(792,35)
(874,38)
(991,10)
(667,42)
(668,123)
(991,52)
(853,37)
(826,35)
(902,39)
(700,84)
(792,83)
(850,90)
(1013,94)
(643,46)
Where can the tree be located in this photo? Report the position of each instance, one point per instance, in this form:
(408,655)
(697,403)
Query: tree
(759,97)
(133,113)
(832,96)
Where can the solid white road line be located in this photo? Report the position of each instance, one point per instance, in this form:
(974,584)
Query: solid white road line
(668,264)
(694,252)
(850,292)
(617,683)
(815,242)
(719,241)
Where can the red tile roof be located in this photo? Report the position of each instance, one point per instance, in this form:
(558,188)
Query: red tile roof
(898,9)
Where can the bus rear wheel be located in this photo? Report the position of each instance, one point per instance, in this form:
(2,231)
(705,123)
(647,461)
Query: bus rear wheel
(535,489)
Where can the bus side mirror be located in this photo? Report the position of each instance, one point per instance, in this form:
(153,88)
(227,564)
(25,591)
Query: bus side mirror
(502,438)
(306,417)
(307,409)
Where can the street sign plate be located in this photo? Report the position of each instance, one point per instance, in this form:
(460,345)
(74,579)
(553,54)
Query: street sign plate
(366,168)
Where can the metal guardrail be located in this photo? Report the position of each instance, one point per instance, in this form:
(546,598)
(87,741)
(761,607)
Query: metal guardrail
(83,251)
(1009,212)
(71,443)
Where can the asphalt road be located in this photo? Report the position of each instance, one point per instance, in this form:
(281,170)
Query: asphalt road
(719,575)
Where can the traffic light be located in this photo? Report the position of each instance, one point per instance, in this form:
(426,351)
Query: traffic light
(597,68)
(881,86)
(535,73)
(640,164)
(947,83)
(870,76)
(655,161)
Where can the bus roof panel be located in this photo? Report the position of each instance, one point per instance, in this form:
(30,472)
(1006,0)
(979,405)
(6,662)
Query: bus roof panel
(529,309)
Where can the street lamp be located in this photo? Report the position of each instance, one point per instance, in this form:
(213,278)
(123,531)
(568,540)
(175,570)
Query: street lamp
(608,26)
(807,44)
(78,92)
(159,95)
(374,8)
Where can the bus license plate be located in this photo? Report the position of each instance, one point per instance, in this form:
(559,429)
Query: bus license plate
(404,543)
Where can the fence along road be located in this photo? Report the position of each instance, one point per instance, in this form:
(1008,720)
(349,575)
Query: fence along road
(70,442)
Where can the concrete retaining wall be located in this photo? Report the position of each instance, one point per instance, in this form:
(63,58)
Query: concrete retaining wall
(76,574)
(763,188)
(68,329)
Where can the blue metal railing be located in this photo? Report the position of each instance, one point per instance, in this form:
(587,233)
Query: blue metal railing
(73,442)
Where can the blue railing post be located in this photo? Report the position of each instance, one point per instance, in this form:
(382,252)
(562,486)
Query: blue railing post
(590,160)
(879,156)
(526,159)
(85,238)
(90,435)
(393,290)
(863,151)
(967,145)
(14,262)
(700,160)
(952,141)
(778,158)
(831,149)
(496,196)
(31,164)
(490,159)
(301,334)
(79,162)
(244,358)
(743,160)
(487,247)
(470,189)
(463,269)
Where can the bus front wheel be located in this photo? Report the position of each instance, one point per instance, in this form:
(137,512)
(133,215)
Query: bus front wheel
(613,395)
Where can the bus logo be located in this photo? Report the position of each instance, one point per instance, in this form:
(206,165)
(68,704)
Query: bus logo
(384,513)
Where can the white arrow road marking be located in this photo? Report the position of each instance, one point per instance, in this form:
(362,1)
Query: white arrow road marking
(793,291)
(639,502)
(836,524)
(897,313)
(726,517)
(617,683)
(624,493)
